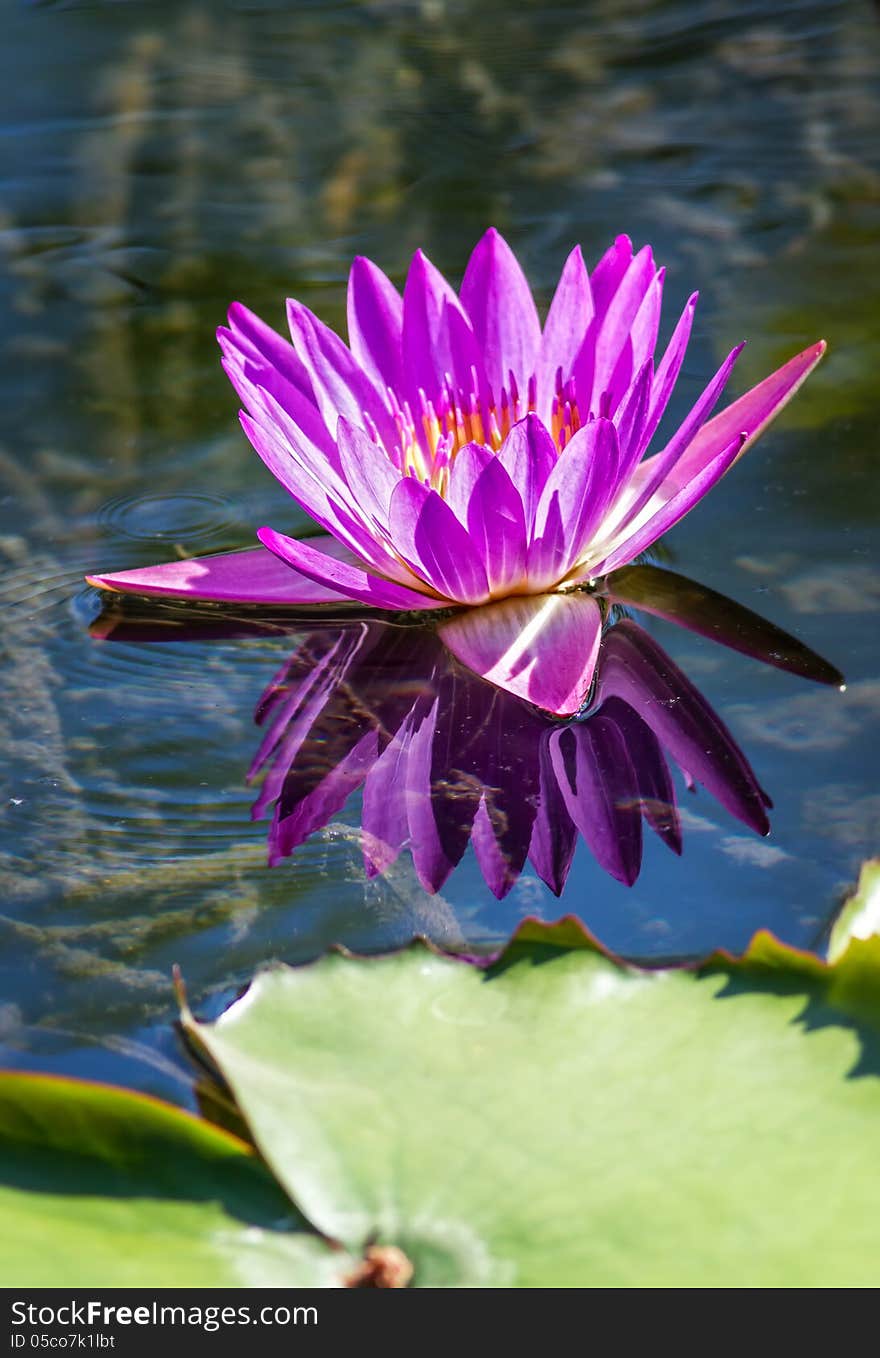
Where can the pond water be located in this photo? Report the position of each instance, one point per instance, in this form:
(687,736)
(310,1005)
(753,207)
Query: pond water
(160,160)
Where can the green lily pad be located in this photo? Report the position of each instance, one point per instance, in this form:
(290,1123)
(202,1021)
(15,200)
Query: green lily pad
(564,1120)
(100,1187)
(860,916)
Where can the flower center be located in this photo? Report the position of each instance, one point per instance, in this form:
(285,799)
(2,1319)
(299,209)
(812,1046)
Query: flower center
(429,438)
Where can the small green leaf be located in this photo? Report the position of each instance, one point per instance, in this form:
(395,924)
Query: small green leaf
(100,1187)
(563,1120)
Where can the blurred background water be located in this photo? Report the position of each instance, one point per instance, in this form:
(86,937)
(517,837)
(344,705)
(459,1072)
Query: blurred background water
(159,160)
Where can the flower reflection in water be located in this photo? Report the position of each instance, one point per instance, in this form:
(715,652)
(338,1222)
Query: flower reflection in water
(445,759)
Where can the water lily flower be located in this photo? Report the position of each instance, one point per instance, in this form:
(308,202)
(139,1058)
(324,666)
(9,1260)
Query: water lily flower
(458,455)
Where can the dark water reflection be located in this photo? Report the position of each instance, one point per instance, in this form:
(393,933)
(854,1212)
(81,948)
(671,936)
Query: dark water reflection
(157,161)
(446,762)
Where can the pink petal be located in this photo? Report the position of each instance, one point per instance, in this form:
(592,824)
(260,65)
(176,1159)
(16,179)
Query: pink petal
(528,455)
(598,784)
(707,458)
(613,336)
(375,323)
(436,546)
(502,312)
(631,419)
(493,516)
(369,472)
(348,579)
(340,385)
(573,501)
(317,488)
(608,273)
(464,472)
(751,413)
(437,337)
(252,374)
(541,648)
(567,322)
(251,577)
(650,476)
(668,369)
(640,343)
(257,341)
(670,512)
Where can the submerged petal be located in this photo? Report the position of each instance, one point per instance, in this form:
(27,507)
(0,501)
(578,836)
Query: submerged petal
(598,785)
(542,647)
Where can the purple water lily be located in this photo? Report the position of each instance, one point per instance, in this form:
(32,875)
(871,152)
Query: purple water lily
(460,455)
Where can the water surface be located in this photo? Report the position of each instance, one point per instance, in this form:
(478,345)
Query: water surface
(159,160)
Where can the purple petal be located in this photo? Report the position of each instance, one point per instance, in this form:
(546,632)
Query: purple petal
(636,669)
(430,538)
(750,414)
(598,784)
(641,340)
(668,515)
(437,338)
(341,386)
(542,647)
(346,578)
(502,312)
(573,501)
(554,837)
(436,848)
(495,522)
(299,710)
(323,802)
(613,335)
(251,577)
(651,475)
(375,323)
(713,615)
(528,455)
(631,419)
(384,817)
(318,489)
(668,369)
(608,273)
(499,873)
(252,374)
(368,471)
(567,323)
(653,779)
